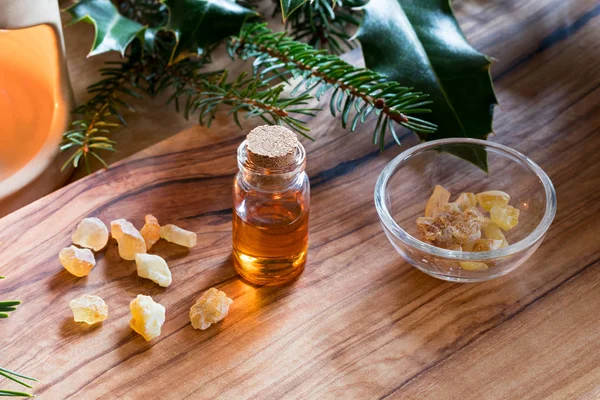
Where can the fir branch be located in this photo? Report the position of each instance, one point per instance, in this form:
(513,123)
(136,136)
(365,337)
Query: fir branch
(277,56)
(14,376)
(205,93)
(7,307)
(18,378)
(12,393)
(325,24)
(104,110)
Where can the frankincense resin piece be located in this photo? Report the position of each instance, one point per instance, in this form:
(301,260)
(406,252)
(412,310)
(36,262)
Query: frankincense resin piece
(150,231)
(483,245)
(460,224)
(506,217)
(492,231)
(77,261)
(437,201)
(451,226)
(129,239)
(473,266)
(147,316)
(177,235)
(492,198)
(210,308)
(153,267)
(91,233)
(89,309)
(465,200)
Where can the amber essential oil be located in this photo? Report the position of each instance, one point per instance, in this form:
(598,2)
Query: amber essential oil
(271,208)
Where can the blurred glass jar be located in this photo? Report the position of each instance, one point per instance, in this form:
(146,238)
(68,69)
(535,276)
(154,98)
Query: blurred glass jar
(35,100)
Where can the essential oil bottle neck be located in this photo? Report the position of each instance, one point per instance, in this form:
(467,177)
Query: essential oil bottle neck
(279,179)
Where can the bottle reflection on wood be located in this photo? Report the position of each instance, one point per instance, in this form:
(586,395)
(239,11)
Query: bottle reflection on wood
(271,208)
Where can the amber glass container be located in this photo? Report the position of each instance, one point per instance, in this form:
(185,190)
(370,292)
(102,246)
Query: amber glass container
(35,101)
(270,219)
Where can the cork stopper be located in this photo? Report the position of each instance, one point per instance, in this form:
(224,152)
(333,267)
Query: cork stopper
(271,146)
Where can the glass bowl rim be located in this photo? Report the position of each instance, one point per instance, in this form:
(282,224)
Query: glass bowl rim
(533,237)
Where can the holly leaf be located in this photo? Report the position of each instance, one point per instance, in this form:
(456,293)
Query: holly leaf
(198,24)
(113,31)
(289,6)
(419,43)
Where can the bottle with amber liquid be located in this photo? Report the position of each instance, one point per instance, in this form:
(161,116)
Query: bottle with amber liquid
(35,101)
(271,198)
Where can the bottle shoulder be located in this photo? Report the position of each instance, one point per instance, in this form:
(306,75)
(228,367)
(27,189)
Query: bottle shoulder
(300,182)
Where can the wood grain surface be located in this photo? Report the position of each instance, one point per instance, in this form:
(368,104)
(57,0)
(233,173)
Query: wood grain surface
(360,323)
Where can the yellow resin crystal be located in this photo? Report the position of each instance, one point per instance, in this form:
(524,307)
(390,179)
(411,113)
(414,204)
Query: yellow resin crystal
(177,235)
(473,266)
(465,200)
(147,316)
(437,201)
(451,226)
(89,309)
(210,308)
(462,226)
(77,261)
(492,231)
(492,198)
(150,231)
(506,217)
(91,233)
(484,245)
(153,267)
(129,239)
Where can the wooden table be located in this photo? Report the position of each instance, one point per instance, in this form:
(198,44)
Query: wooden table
(360,322)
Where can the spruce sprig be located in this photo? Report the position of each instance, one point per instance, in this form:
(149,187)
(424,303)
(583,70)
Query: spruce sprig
(279,56)
(14,376)
(7,307)
(325,24)
(12,393)
(104,110)
(18,378)
(205,93)
(146,70)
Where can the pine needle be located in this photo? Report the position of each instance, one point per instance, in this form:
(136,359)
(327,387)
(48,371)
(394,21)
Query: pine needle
(357,90)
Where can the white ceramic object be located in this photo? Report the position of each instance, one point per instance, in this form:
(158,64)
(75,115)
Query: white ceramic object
(30,31)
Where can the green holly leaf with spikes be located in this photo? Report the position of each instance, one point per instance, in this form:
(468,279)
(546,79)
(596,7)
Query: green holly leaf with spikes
(419,43)
(198,24)
(289,6)
(113,31)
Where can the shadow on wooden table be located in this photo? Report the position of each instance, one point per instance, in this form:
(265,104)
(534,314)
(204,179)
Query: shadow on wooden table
(70,328)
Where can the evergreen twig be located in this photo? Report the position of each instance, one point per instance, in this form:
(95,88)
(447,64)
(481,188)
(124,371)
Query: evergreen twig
(325,24)
(278,56)
(146,69)
(104,110)
(5,308)
(205,93)
(8,307)
(12,393)
(14,376)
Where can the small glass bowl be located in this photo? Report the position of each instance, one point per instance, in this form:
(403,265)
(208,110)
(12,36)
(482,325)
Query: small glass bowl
(407,182)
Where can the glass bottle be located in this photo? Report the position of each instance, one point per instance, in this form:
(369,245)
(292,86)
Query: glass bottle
(35,100)
(270,215)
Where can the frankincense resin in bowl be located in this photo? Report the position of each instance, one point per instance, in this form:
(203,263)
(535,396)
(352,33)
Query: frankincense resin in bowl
(408,182)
